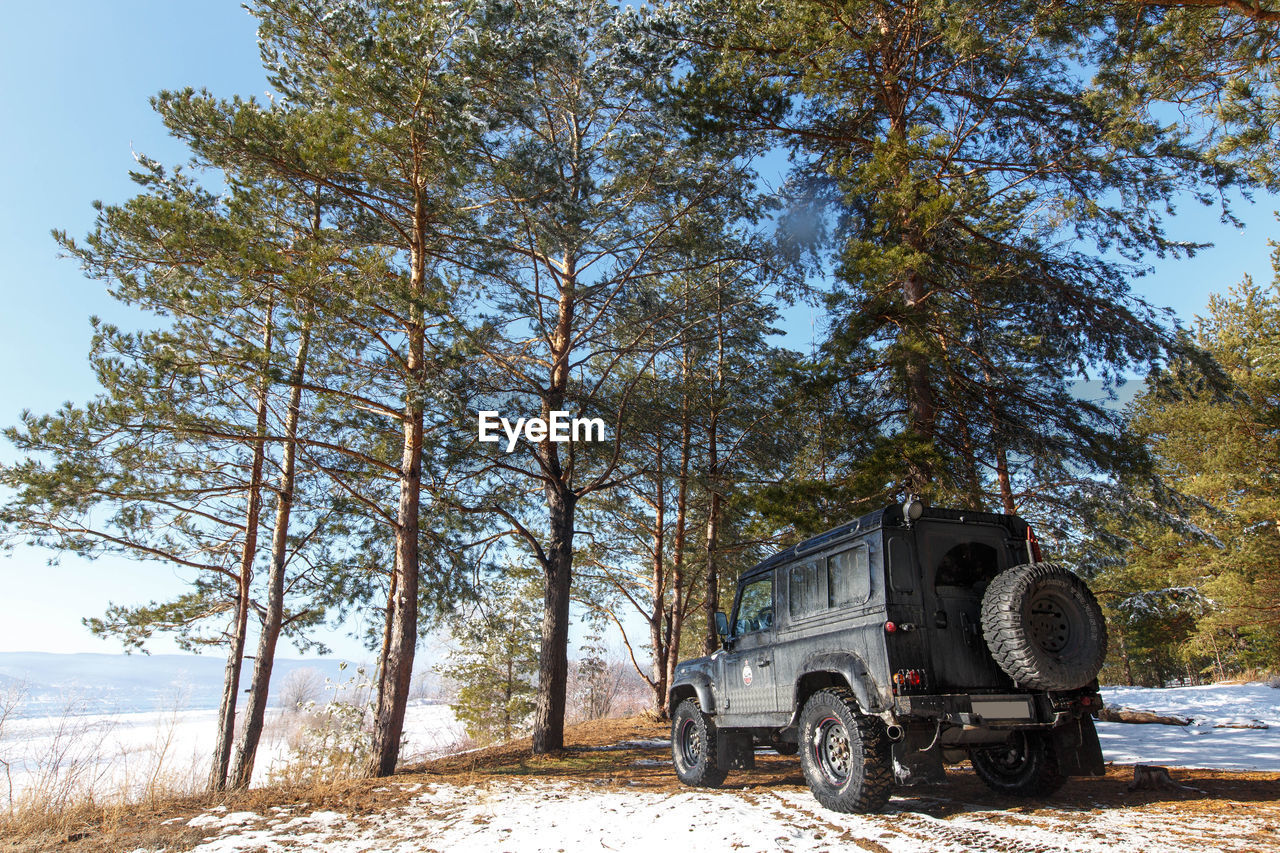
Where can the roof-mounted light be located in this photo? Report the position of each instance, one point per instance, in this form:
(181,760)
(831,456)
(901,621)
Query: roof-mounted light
(912,508)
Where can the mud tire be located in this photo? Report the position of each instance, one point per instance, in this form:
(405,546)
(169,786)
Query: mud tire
(693,746)
(1044,627)
(844,753)
(1026,766)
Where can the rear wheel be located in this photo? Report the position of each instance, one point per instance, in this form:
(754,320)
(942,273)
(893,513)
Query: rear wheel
(844,753)
(693,746)
(1024,766)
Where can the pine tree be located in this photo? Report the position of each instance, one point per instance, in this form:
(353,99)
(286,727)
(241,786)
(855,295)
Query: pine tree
(1216,62)
(962,184)
(593,183)
(1220,571)
(708,416)
(170,462)
(596,678)
(383,104)
(494,659)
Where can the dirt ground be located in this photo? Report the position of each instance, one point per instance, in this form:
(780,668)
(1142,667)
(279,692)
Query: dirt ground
(1240,808)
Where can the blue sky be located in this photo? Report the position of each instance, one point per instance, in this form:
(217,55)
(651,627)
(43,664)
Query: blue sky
(75,78)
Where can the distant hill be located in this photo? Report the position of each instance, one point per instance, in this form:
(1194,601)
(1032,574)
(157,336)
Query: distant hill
(109,683)
(1095,392)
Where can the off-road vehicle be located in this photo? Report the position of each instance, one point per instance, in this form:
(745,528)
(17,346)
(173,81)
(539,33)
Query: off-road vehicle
(892,646)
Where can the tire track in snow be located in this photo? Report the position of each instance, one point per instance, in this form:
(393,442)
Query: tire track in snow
(923,832)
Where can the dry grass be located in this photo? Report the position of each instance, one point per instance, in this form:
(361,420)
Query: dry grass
(75,778)
(1249,676)
(70,779)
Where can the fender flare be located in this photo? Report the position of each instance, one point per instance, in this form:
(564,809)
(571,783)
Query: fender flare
(701,685)
(851,668)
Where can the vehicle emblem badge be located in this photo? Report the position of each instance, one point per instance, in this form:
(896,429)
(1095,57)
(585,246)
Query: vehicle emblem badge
(746,674)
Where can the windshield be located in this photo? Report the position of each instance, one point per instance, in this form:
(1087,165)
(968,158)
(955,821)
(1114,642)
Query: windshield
(755,607)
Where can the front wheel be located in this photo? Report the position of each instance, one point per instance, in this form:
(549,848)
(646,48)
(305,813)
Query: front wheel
(693,746)
(1024,766)
(844,753)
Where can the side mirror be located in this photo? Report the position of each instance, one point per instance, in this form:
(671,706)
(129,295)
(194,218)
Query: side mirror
(722,625)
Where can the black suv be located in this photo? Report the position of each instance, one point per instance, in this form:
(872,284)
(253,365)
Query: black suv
(894,645)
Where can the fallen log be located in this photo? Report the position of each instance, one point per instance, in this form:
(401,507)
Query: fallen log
(1115,714)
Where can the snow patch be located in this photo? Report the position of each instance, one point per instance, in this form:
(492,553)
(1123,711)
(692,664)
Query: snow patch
(1223,734)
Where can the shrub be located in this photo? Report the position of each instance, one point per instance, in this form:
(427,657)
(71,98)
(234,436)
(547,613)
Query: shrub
(333,740)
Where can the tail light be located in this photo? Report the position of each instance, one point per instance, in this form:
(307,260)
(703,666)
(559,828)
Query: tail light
(909,681)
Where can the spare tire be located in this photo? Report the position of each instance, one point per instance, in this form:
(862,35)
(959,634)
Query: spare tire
(1044,627)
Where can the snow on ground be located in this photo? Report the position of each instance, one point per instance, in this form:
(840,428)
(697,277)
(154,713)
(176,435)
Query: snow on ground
(531,816)
(114,752)
(1191,746)
(108,753)
(1209,742)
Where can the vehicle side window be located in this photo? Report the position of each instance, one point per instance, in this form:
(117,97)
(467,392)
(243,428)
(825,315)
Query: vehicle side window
(967,565)
(837,581)
(848,578)
(803,592)
(755,607)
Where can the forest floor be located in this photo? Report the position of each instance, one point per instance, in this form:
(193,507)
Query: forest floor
(614,789)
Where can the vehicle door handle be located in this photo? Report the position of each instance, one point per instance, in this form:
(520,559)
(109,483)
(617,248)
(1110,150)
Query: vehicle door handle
(763,662)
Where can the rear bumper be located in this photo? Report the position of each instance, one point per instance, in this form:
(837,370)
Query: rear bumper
(999,710)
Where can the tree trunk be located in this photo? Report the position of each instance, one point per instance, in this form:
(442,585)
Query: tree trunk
(712,603)
(230,691)
(678,549)
(235,652)
(553,662)
(712,598)
(658,585)
(920,403)
(921,409)
(1006,485)
(1002,457)
(396,672)
(1128,664)
(557,557)
(388,619)
(508,689)
(1217,659)
(259,690)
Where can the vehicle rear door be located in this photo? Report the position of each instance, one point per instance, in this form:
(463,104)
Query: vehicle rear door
(959,560)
